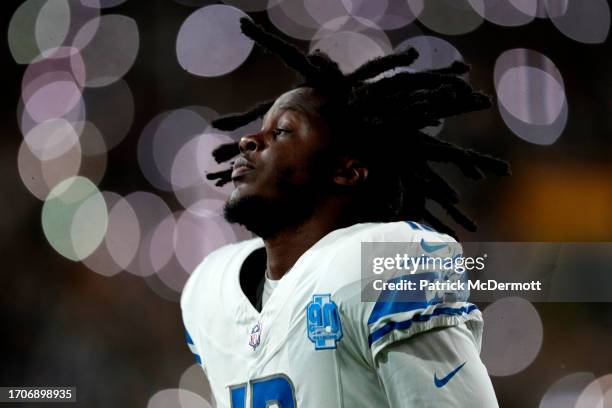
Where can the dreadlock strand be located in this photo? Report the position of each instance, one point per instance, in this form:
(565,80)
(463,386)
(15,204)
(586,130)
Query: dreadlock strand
(444,102)
(233,122)
(382,64)
(436,148)
(291,55)
(402,84)
(425,108)
(440,186)
(456,68)
(395,107)
(457,215)
(457,158)
(223,177)
(489,163)
(225,152)
(468,169)
(437,224)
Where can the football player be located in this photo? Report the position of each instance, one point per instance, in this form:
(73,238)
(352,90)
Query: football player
(279,320)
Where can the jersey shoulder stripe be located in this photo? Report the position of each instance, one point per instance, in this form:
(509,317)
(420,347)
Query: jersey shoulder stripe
(421,316)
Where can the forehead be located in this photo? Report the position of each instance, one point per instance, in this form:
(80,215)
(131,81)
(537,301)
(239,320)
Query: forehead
(303,100)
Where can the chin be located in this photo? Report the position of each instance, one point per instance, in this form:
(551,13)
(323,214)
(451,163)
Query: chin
(251,211)
(266,217)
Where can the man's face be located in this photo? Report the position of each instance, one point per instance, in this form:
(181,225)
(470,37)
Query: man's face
(284,169)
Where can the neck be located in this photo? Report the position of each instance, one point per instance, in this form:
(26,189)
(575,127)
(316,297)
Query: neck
(286,246)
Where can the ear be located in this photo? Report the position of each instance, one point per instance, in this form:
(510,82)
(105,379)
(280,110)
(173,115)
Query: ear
(350,172)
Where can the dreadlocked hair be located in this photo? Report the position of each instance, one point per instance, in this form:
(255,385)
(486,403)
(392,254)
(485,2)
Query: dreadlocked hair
(395,108)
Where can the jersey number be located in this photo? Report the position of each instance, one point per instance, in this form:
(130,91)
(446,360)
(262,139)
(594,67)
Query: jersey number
(276,390)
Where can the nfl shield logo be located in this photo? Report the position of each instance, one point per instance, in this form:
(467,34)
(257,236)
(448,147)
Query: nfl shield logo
(254,337)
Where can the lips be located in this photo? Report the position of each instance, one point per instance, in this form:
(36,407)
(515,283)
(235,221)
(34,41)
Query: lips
(241,167)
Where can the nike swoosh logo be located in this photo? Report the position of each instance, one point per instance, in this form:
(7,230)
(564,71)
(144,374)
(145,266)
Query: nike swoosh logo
(431,247)
(441,382)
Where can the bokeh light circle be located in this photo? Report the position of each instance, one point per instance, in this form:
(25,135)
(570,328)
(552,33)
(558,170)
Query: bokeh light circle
(597,394)
(583,21)
(39,176)
(102,3)
(62,63)
(52,24)
(101,261)
(564,393)
(162,243)
(387,14)
(75,218)
(108,32)
(123,235)
(248,5)
(51,139)
(175,397)
(161,141)
(351,24)
(323,11)
(160,289)
(350,48)
(512,336)
(452,17)
(57,95)
(191,164)
(112,101)
(92,142)
(22,31)
(531,95)
(196,236)
(434,52)
(39,27)
(176,129)
(210,42)
(503,12)
(194,380)
(291,18)
(146,161)
(75,117)
(93,167)
(530,7)
(89,224)
(536,134)
(150,210)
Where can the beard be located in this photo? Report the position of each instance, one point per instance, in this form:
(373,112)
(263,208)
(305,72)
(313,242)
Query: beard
(267,217)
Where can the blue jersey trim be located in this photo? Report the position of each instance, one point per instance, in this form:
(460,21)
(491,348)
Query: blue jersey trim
(188,338)
(390,326)
(191,343)
(417,226)
(393,301)
(413,225)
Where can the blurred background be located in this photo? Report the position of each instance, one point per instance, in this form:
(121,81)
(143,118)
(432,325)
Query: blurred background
(105,130)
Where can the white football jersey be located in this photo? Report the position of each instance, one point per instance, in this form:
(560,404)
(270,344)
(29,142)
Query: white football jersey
(315,342)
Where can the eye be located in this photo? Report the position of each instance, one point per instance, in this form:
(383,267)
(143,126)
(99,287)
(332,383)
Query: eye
(279,131)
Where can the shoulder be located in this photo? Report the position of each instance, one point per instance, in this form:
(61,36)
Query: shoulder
(386,232)
(341,258)
(214,267)
(376,322)
(408,231)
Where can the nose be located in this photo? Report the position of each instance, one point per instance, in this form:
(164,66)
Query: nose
(250,143)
